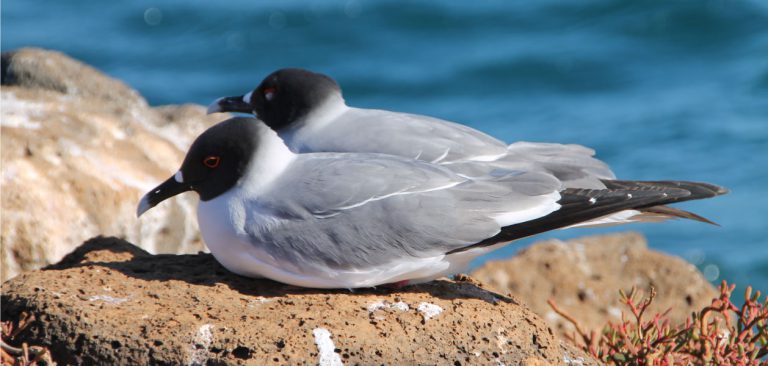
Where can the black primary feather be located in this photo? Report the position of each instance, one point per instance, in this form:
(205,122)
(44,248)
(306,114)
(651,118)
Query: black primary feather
(580,205)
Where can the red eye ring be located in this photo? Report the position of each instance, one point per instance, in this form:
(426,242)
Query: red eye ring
(269,93)
(212,161)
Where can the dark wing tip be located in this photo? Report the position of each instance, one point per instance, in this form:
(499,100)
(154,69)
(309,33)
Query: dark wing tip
(697,189)
(722,190)
(580,205)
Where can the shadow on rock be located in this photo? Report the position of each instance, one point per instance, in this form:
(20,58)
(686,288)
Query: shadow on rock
(203,269)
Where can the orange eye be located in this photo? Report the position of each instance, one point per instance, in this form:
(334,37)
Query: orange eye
(212,161)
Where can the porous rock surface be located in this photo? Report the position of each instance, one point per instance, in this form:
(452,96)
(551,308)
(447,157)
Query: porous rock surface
(584,276)
(110,302)
(78,150)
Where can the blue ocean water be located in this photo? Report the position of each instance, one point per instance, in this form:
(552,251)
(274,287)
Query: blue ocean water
(661,89)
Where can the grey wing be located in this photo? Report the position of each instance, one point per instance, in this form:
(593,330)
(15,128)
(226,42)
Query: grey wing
(327,184)
(407,135)
(366,219)
(574,165)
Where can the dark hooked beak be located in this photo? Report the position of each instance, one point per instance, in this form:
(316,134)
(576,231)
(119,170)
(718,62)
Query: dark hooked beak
(171,187)
(230,104)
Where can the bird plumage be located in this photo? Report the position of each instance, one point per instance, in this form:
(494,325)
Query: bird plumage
(362,219)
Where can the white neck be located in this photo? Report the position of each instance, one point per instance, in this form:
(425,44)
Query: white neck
(270,159)
(323,114)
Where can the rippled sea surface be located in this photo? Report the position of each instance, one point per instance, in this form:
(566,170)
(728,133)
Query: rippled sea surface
(661,89)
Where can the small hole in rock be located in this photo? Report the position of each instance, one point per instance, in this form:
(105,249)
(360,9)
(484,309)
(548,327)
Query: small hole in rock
(582,295)
(241,352)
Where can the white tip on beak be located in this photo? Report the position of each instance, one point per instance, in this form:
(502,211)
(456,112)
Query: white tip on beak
(143,206)
(247,97)
(214,107)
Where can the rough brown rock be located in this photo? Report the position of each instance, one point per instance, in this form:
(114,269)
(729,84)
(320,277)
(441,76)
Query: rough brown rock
(78,151)
(110,302)
(584,277)
(39,69)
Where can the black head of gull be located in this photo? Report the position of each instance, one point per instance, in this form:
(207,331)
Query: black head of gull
(215,162)
(283,98)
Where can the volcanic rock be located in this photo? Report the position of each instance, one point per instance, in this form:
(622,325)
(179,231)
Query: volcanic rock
(110,302)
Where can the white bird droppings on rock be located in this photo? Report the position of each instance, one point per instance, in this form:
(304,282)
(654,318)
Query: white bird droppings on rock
(258,301)
(572,361)
(108,299)
(400,305)
(198,354)
(326,348)
(428,310)
(501,340)
(376,306)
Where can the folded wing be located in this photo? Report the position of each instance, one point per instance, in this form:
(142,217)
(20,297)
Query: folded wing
(357,213)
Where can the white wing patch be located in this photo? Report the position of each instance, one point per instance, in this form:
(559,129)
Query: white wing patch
(621,217)
(548,205)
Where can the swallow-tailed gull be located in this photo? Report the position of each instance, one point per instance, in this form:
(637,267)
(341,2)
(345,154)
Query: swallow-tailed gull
(308,111)
(348,220)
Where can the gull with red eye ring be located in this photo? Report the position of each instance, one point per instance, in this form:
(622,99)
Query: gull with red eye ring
(212,161)
(308,112)
(349,220)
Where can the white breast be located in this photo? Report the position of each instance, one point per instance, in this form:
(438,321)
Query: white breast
(222,223)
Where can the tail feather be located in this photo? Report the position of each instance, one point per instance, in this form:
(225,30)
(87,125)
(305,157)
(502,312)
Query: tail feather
(677,213)
(580,205)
